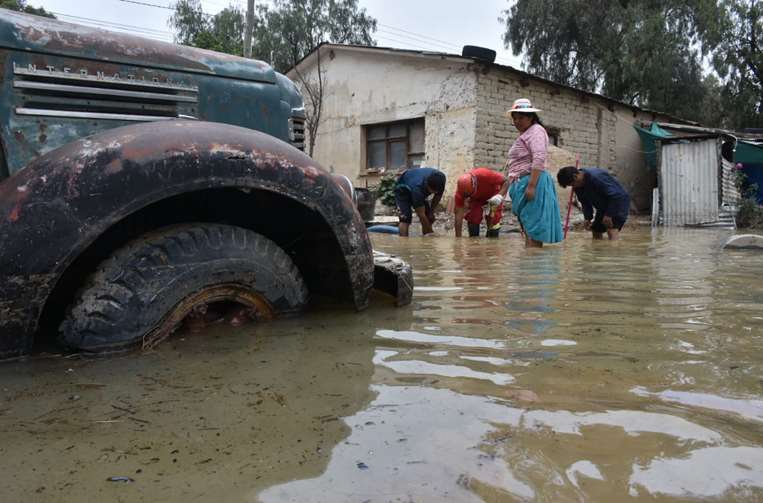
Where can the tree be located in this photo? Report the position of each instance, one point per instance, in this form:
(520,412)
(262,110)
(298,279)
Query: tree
(283,34)
(738,59)
(645,52)
(289,30)
(22,6)
(222,32)
(312,88)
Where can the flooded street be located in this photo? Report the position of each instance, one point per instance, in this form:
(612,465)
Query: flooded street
(591,371)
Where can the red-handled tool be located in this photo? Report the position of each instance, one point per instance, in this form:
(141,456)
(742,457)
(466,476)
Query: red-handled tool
(569,204)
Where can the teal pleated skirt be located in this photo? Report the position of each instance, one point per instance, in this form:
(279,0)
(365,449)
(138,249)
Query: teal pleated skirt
(540,217)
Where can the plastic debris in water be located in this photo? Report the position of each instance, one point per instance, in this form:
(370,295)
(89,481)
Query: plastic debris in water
(120,479)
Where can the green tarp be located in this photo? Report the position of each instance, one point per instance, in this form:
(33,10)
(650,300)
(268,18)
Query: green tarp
(750,156)
(748,153)
(649,139)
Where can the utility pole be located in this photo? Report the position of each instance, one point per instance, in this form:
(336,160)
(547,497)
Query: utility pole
(249,29)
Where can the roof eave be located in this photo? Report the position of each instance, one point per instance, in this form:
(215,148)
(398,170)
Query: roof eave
(456,57)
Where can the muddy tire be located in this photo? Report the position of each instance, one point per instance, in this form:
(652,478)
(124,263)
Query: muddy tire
(140,294)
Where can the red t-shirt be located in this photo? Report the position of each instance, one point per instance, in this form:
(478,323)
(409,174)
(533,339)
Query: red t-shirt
(489,183)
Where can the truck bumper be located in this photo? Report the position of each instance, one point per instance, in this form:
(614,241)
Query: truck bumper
(394,276)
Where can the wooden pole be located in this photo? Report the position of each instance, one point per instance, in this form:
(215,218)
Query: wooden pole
(249,29)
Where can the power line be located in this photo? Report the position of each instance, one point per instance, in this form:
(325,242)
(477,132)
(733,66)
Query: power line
(148,4)
(408,44)
(418,35)
(156,34)
(167,7)
(387,32)
(428,46)
(449,47)
(419,38)
(113,23)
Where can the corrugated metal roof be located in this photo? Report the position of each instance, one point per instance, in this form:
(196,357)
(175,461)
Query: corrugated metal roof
(689,173)
(687,130)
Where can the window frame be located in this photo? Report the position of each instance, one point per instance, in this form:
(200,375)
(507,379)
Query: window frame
(388,140)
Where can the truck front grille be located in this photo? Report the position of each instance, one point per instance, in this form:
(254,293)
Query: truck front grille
(53,93)
(297,132)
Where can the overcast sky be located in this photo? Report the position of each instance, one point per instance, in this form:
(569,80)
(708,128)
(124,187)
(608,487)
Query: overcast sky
(437,25)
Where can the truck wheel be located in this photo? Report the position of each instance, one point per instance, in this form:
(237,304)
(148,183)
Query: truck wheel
(139,296)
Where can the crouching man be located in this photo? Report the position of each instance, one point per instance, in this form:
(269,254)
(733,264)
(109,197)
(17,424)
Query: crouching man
(596,189)
(411,192)
(480,191)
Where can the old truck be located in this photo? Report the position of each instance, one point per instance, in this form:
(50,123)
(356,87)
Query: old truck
(141,181)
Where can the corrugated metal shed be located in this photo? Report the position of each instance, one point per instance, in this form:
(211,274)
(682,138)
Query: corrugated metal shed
(729,192)
(689,173)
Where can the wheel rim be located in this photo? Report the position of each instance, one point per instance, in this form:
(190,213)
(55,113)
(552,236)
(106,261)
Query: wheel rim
(208,295)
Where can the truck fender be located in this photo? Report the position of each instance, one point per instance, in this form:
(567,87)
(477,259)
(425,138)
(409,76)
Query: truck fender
(51,211)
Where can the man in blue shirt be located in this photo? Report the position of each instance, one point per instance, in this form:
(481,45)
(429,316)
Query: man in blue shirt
(596,189)
(412,190)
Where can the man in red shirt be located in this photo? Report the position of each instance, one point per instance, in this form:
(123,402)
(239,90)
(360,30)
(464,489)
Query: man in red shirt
(480,190)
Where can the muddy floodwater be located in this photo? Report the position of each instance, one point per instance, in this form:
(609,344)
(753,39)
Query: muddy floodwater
(590,371)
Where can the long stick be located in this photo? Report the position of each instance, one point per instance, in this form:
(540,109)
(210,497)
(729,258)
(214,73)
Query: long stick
(248,29)
(569,204)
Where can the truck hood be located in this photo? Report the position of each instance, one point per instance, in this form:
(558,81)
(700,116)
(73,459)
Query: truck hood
(25,32)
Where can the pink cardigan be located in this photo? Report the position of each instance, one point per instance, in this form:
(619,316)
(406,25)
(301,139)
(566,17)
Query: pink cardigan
(528,152)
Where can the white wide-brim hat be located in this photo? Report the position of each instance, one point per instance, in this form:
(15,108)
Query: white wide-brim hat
(522,105)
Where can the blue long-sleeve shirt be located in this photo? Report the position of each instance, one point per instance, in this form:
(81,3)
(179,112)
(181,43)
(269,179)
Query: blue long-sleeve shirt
(602,192)
(415,180)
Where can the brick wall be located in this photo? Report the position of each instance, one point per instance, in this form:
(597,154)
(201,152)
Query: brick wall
(584,124)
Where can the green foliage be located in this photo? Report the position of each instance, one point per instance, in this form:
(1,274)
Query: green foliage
(283,33)
(22,6)
(750,213)
(649,52)
(223,32)
(290,29)
(738,59)
(385,191)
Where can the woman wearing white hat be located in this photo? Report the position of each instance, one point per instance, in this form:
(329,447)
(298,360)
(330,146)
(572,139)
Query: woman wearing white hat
(532,190)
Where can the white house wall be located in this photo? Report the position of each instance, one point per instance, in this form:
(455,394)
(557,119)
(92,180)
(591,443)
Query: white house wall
(363,88)
(631,169)
(464,105)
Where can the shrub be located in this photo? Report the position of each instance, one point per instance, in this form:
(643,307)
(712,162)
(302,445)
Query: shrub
(385,191)
(750,213)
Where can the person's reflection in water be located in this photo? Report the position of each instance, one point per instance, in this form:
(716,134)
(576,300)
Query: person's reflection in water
(533,287)
(480,267)
(429,279)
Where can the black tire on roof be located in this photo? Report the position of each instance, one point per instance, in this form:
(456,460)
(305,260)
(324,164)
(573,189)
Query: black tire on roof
(139,295)
(476,52)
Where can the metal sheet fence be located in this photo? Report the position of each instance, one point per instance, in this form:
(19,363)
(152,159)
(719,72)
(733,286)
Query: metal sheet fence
(689,182)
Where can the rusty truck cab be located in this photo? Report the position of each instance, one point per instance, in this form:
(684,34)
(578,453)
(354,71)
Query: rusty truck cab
(109,139)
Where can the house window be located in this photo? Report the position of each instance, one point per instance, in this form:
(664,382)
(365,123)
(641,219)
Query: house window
(394,146)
